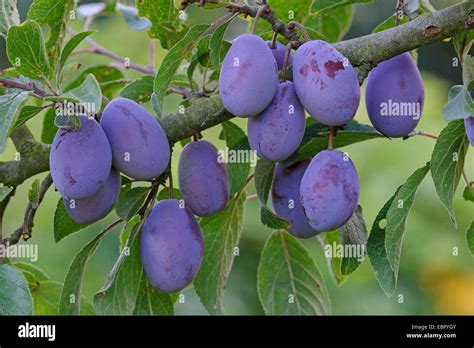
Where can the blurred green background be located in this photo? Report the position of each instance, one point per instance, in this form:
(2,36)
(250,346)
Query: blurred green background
(432,280)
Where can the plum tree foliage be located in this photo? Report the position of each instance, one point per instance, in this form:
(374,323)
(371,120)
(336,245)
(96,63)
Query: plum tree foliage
(103,149)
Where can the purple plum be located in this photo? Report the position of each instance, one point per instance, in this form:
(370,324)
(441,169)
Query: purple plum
(277,132)
(203,180)
(326,83)
(395,96)
(249,76)
(140,147)
(81,160)
(96,207)
(279,53)
(171,246)
(329,190)
(286,198)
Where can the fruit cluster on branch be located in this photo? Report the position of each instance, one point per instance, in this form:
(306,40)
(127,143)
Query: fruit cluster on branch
(364,53)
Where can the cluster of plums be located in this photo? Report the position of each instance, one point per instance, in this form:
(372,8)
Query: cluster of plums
(320,194)
(86,164)
(316,195)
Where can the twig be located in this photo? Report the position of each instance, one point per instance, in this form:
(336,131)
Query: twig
(37,92)
(398,12)
(25,230)
(257,17)
(99,49)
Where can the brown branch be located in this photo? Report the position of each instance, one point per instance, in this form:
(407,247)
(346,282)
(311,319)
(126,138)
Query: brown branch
(99,49)
(36,91)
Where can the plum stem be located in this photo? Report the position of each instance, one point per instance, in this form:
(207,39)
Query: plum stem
(170,185)
(331,135)
(252,197)
(274,40)
(293,24)
(261,9)
(285,61)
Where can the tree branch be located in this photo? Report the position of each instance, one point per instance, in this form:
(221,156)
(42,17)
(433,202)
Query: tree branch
(364,53)
(99,49)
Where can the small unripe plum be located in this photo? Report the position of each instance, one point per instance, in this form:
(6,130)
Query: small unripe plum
(286,198)
(279,53)
(469,125)
(249,76)
(140,147)
(80,160)
(326,83)
(94,208)
(171,246)
(277,132)
(329,190)
(395,96)
(203,179)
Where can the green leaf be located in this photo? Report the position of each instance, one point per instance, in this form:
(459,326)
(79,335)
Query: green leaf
(10,105)
(15,296)
(222,233)
(102,73)
(139,90)
(164,194)
(71,122)
(331,240)
(377,254)
(26,50)
(8,15)
(63,224)
(35,271)
(468,193)
(49,128)
(447,163)
(173,59)
(71,294)
(470,238)
(54,14)
(88,94)
(263,182)
(291,10)
(397,215)
(460,104)
(127,229)
(215,44)
(316,135)
(27,112)
(4,191)
(321,7)
(463,42)
(389,23)
(354,234)
(151,301)
(71,46)
(130,202)
(33,193)
(46,297)
(237,142)
(165,22)
(289,283)
(333,25)
(119,294)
